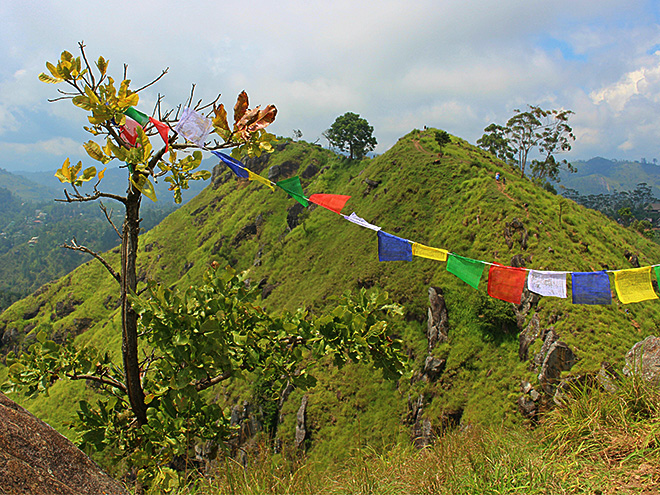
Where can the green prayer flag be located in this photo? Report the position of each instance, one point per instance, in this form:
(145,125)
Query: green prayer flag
(469,271)
(137,116)
(656,269)
(294,189)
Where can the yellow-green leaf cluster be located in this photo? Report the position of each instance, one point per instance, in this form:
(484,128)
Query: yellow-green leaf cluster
(69,173)
(68,68)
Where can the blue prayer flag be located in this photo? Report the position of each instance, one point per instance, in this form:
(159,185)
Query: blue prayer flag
(591,288)
(393,248)
(236,166)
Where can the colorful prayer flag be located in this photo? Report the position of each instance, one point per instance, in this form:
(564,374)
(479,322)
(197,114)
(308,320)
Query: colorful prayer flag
(353,218)
(393,248)
(194,126)
(163,130)
(294,189)
(469,271)
(128,132)
(429,252)
(259,178)
(506,283)
(333,202)
(235,166)
(546,283)
(137,116)
(591,288)
(634,285)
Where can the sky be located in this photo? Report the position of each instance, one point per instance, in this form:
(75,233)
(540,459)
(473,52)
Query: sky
(457,65)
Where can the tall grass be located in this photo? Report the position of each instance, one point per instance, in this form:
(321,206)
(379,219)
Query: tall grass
(474,460)
(611,435)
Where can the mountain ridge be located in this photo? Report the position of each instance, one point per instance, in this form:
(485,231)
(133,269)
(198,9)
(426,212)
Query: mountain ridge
(445,198)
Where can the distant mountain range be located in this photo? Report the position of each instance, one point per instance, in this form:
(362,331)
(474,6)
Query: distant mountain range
(600,176)
(43,186)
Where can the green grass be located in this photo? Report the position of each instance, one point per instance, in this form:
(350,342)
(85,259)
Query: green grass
(453,204)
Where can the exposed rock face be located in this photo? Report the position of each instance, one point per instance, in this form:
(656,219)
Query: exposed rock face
(644,360)
(528,336)
(35,459)
(438,320)
(293,215)
(301,423)
(559,358)
(309,172)
(433,367)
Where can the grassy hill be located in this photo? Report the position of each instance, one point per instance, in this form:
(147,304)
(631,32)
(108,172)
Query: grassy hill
(443,198)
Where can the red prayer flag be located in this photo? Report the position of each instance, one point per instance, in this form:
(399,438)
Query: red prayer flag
(506,283)
(163,130)
(128,131)
(333,202)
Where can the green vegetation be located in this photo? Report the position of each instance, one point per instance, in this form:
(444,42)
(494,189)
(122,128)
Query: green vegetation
(350,132)
(545,132)
(303,261)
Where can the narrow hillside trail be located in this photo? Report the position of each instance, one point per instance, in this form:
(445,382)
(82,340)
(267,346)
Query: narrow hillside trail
(500,186)
(418,146)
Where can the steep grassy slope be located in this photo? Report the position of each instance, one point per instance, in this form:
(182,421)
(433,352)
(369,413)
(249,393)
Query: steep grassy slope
(449,201)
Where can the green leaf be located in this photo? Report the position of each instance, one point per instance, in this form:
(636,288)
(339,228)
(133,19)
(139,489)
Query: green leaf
(43,77)
(144,185)
(88,174)
(95,151)
(82,102)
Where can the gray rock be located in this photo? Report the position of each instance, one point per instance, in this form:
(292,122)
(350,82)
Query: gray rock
(36,459)
(301,423)
(273,173)
(644,360)
(527,407)
(433,367)
(559,358)
(528,336)
(437,327)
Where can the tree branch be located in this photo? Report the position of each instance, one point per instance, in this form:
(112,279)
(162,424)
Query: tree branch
(107,216)
(74,246)
(78,198)
(103,380)
(162,74)
(209,382)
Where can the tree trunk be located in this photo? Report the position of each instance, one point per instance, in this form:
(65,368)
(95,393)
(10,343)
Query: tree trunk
(129,341)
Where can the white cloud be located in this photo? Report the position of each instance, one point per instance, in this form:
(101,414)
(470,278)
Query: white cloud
(54,146)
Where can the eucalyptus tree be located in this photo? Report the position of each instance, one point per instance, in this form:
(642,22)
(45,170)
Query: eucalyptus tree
(545,132)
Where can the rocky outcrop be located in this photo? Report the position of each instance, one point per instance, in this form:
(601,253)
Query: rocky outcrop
(527,337)
(35,459)
(559,358)
(644,360)
(438,320)
(301,424)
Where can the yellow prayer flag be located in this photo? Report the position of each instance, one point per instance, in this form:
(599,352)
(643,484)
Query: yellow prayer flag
(259,178)
(429,252)
(634,285)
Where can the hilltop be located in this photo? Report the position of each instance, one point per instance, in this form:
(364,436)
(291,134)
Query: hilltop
(303,257)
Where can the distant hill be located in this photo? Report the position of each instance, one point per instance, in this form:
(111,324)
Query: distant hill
(25,188)
(114,181)
(600,175)
(302,258)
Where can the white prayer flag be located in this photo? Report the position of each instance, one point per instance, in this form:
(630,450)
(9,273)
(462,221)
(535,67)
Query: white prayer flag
(194,127)
(547,283)
(361,222)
